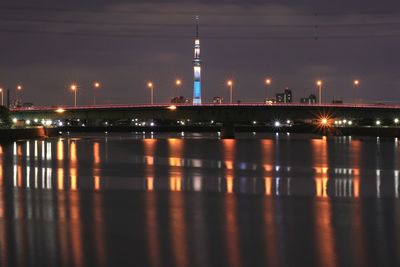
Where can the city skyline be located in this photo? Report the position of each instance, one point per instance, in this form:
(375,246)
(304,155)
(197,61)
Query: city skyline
(125,45)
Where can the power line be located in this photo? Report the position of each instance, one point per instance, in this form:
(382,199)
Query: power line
(192,13)
(204,25)
(215,37)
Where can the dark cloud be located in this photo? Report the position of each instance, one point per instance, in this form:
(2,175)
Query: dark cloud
(47,45)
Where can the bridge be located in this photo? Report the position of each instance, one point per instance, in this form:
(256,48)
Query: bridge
(226,115)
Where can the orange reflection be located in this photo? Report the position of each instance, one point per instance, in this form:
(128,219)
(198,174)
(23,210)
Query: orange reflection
(267,154)
(98,230)
(19,175)
(62,226)
(271,240)
(229,184)
(232,231)
(325,234)
(152,230)
(355,147)
(321,187)
(96,166)
(19,150)
(325,237)
(150,183)
(60,179)
(320,161)
(175,147)
(268,186)
(3,232)
(229,152)
(96,183)
(228,146)
(1,167)
(175,183)
(73,166)
(358,229)
(178,230)
(60,168)
(60,150)
(149,145)
(76,236)
(96,153)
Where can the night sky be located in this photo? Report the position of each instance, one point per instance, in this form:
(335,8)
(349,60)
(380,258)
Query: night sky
(46,45)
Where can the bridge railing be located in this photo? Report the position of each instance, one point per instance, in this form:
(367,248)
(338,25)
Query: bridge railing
(166,105)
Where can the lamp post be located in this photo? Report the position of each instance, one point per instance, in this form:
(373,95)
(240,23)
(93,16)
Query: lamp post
(178,83)
(230,85)
(151,87)
(74,88)
(2,96)
(319,84)
(19,88)
(96,87)
(267,83)
(356,84)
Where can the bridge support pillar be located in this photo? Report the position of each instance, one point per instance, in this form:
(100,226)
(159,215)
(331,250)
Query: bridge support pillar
(228,130)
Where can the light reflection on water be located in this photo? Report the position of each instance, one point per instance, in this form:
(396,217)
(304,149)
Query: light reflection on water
(319,166)
(123,201)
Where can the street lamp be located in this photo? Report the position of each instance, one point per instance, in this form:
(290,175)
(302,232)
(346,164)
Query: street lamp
(19,88)
(2,98)
(74,88)
(267,83)
(178,83)
(319,84)
(356,84)
(230,84)
(96,86)
(151,87)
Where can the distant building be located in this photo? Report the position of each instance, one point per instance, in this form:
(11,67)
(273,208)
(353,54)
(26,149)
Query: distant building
(312,99)
(288,96)
(217,100)
(280,97)
(337,101)
(179,100)
(27,105)
(285,97)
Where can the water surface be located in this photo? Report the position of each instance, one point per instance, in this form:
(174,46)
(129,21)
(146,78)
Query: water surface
(197,200)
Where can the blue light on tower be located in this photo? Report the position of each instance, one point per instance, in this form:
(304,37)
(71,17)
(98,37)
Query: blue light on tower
(197,68)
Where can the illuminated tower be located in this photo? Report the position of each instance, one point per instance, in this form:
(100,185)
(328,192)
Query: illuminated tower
(197,68)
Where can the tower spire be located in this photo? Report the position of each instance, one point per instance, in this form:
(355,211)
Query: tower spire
(197,27)
(197,68)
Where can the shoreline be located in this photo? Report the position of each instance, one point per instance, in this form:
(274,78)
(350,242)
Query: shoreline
(7,135)
(42,132)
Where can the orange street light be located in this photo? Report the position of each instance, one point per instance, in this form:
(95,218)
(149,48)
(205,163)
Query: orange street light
(178,83)
(19,88)
(151,87)
(230,85)
(267,83)
(356,84)
(96,86)
(319,85)
(74,88)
